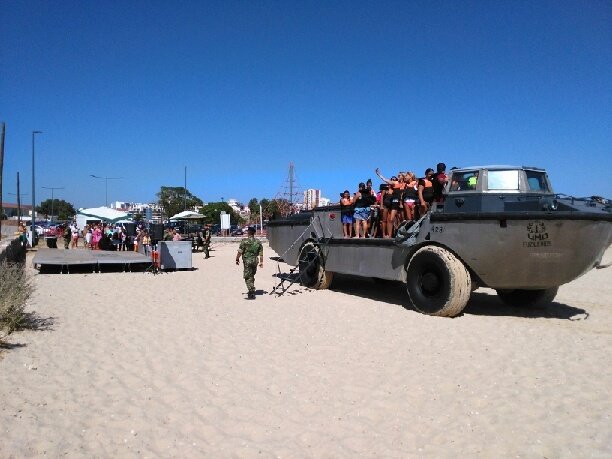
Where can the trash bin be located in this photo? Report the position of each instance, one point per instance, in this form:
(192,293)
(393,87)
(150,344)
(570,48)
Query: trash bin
(51,242)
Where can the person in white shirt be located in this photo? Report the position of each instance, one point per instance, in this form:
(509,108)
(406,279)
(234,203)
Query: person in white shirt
(75,235)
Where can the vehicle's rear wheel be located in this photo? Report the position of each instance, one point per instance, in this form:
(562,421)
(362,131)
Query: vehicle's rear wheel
(312,268)
(438,283)
(528,298)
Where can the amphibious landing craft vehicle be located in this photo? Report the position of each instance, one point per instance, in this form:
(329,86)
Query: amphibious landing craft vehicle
(500,227)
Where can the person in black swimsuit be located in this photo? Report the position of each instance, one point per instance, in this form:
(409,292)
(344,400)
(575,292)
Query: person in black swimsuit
(426,192)
(410,196)
(387,199)
(394,205)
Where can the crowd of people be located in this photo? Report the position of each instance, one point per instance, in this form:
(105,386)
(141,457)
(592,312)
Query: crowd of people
(103,236)
(402,197)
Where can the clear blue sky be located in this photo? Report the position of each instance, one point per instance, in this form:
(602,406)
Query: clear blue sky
(235,90)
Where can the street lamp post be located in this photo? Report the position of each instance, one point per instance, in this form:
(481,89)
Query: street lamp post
(106,179)
(185,191)
(52,188)
(32,243)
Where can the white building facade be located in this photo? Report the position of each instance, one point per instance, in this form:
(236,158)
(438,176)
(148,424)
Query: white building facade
(239,208)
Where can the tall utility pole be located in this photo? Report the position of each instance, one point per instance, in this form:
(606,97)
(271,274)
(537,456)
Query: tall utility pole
(106,179)
(19,195)
(52,188)
(185,191)
(1,174)
(32,235)
(18,202)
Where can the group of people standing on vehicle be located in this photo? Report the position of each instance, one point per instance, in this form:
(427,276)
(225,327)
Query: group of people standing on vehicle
(402,197)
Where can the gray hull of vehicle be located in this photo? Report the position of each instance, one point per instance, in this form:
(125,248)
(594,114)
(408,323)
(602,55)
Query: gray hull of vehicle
(528,251)
(512,256)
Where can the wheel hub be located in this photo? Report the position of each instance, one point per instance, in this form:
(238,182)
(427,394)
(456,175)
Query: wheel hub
(309,266)
(430,283)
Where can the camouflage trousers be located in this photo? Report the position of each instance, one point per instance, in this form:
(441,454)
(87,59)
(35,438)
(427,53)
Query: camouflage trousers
(250,268)
(206,248)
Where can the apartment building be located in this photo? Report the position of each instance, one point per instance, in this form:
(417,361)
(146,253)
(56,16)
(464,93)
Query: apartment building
(151,212)
(311,198)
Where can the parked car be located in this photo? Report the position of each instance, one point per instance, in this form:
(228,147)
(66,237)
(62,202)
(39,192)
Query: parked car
(46,229)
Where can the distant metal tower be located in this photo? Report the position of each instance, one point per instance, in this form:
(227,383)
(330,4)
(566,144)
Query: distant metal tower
(291,181)
(289,195)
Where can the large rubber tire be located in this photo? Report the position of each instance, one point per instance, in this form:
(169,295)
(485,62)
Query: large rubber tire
(528,298)
(312,268)
(438,283)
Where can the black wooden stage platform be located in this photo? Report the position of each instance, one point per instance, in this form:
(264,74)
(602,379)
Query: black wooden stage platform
(88,259)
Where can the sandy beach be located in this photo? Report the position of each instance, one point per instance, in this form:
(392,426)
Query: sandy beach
(181,365)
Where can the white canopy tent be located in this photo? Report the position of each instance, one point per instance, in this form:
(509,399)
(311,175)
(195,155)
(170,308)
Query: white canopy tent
(104,214)
(186,215)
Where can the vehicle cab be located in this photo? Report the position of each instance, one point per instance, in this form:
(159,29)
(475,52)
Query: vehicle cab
(497,189)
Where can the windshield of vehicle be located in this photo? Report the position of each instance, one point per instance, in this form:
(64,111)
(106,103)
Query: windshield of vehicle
(536,181)
(503,180)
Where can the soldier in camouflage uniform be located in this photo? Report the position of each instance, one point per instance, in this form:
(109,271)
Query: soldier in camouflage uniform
(67,234)
(206,235)
(250,248)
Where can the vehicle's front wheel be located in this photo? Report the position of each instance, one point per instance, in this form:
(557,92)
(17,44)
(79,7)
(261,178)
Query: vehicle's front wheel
(528,298)
(312,268)
(438,283)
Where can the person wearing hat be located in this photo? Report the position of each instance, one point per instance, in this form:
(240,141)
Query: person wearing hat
(250,248)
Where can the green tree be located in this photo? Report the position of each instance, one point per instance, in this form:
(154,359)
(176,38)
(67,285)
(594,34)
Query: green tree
(175,199)
(253,206)
(63,209)
(212,213)
(138,217)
